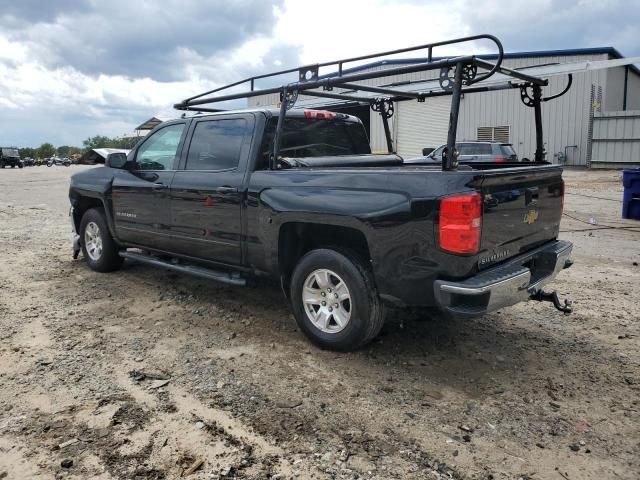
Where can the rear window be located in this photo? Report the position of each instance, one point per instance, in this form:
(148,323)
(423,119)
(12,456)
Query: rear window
(474,148)
(507,150)
(310,137)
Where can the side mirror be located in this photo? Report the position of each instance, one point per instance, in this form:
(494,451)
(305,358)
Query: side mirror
(426,151)
(116,160)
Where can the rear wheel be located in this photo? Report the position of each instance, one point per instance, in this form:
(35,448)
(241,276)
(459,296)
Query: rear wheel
(98,247)
(335,300)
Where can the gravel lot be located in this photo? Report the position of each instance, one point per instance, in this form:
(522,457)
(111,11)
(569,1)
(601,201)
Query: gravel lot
(523,393)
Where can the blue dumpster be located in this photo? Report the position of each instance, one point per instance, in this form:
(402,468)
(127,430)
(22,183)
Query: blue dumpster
(631,195)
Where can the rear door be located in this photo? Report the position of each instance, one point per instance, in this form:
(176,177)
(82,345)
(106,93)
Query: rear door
(140,195)
(207,190)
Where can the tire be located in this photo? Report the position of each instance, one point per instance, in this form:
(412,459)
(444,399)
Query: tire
(20,165)
(102,252)
(357,320)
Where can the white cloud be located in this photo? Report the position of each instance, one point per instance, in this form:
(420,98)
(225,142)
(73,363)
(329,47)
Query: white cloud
(86,68)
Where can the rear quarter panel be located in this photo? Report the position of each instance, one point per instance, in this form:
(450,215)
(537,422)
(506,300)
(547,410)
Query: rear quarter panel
(395,210)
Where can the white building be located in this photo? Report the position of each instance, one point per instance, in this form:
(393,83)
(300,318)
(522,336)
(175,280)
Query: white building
(500,115)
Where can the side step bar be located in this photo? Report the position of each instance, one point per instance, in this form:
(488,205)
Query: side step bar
(202,272)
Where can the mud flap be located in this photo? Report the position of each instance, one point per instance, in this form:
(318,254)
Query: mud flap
(76,246)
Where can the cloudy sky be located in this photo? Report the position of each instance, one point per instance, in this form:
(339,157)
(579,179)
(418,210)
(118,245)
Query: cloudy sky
(70,69)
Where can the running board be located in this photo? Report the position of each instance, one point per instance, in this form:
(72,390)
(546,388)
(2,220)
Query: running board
(202,272)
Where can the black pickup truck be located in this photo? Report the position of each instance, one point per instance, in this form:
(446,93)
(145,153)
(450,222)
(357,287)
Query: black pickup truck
(296,195)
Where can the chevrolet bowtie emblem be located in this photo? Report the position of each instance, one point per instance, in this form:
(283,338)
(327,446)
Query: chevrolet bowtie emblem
(530,217)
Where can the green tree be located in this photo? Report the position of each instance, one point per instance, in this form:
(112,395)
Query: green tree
(27,152)
(126,142)
(63,151)
(46,150)
(98,141)
(101,141)
(75,151)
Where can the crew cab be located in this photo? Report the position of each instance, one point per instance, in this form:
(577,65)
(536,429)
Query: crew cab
(345,232)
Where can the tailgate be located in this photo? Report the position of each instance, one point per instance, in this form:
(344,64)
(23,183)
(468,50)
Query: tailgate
(522,209)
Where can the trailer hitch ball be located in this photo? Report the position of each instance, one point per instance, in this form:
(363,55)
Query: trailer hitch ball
(542,296)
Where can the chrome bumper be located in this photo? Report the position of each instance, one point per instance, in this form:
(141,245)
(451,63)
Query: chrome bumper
(507,284)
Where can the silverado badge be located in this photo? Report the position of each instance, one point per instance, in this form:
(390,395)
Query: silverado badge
(530,217)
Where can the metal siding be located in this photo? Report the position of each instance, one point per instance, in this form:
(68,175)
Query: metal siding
(614,94)
(633,91)
(565,120)
(616,139)
(421,125)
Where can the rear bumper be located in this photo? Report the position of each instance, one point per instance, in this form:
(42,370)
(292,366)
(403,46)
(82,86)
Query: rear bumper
(507,284)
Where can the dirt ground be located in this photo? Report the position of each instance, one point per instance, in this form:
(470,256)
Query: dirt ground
(144,373)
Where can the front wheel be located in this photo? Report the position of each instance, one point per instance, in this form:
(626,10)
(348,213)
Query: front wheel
(335,300)
(98,246)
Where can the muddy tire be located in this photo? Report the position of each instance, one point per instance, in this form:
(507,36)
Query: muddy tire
(335,300)
(98,247)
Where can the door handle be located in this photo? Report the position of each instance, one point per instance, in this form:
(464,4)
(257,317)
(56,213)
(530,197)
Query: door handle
(159,186)
(226,189)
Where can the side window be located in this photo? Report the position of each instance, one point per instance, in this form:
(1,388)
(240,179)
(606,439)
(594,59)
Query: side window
(159,151)
(437,153)
(216,144)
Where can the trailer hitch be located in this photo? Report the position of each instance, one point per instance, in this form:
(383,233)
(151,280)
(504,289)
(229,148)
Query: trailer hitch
(542,296)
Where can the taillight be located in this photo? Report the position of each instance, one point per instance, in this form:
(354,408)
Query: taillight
(461,223)
(501,159)
(562,188)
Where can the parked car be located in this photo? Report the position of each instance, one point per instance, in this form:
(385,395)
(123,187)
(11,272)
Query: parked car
(487,152)
(58,161)
(28,162)
(345,232)
(9,157)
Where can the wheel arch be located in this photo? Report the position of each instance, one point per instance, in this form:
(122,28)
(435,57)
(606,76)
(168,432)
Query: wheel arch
(295,239)
(82,203)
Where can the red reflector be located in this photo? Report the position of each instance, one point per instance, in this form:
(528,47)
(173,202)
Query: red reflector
(461,223)
(501,159)
(319,114)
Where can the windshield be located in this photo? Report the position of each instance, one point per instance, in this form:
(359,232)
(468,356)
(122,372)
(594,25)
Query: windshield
(508,151)
(310,137)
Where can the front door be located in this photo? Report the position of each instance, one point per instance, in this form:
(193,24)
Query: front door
(141,193)
(207,190)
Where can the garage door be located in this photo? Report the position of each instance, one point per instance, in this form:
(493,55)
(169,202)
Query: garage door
(421,125)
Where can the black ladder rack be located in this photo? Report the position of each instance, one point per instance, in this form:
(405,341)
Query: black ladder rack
(458,75)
